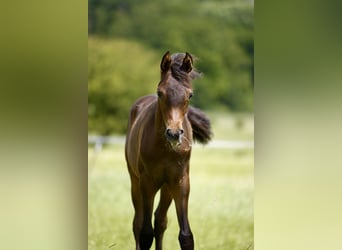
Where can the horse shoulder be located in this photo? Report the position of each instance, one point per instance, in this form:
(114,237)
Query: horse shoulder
(141,116)
(139,106)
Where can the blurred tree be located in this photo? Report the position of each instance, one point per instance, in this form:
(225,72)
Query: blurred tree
(119,72)
(219,32)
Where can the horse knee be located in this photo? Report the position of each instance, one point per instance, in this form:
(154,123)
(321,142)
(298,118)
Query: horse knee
(146,238)
(160,227)
(186,241)
(160,223)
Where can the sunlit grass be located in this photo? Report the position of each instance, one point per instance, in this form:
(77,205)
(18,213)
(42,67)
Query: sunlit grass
(220,206)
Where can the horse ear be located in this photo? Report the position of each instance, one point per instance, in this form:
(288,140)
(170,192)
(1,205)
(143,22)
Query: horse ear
(187,63)
(166,62)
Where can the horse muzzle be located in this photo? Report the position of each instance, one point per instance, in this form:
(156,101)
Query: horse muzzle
(174,135)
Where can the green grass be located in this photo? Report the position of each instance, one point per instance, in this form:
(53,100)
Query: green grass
(221,197)
(220,206)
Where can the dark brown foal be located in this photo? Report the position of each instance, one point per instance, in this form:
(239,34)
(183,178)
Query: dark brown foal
(158,148)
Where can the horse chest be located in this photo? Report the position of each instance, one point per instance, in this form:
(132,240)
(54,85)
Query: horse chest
(165,165)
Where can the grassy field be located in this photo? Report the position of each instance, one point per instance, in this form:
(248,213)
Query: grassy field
(221,198)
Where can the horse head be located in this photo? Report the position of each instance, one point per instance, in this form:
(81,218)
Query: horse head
(174,92)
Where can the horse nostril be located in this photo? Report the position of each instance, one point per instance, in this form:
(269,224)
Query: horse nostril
(181,131)
(173,136)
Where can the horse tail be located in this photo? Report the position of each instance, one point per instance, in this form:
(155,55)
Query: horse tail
(200,124)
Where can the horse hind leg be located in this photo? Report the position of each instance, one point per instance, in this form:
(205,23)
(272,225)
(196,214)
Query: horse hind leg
(160,216)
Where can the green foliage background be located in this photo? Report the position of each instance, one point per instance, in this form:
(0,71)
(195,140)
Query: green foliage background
(128,38)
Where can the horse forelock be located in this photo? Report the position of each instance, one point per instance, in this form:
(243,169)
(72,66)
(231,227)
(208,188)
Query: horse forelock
(179,74)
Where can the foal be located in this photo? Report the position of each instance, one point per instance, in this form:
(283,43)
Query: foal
(160,134)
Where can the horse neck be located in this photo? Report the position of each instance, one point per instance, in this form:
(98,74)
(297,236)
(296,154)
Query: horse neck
(159,125)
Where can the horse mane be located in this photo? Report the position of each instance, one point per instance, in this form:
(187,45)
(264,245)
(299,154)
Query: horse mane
(178,73)
(200,124)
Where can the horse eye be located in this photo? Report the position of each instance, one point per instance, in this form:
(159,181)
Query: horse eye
(159,93)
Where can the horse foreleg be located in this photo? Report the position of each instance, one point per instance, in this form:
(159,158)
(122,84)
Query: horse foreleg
(138,210)
(148,192)
(160,216)
(180,192)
